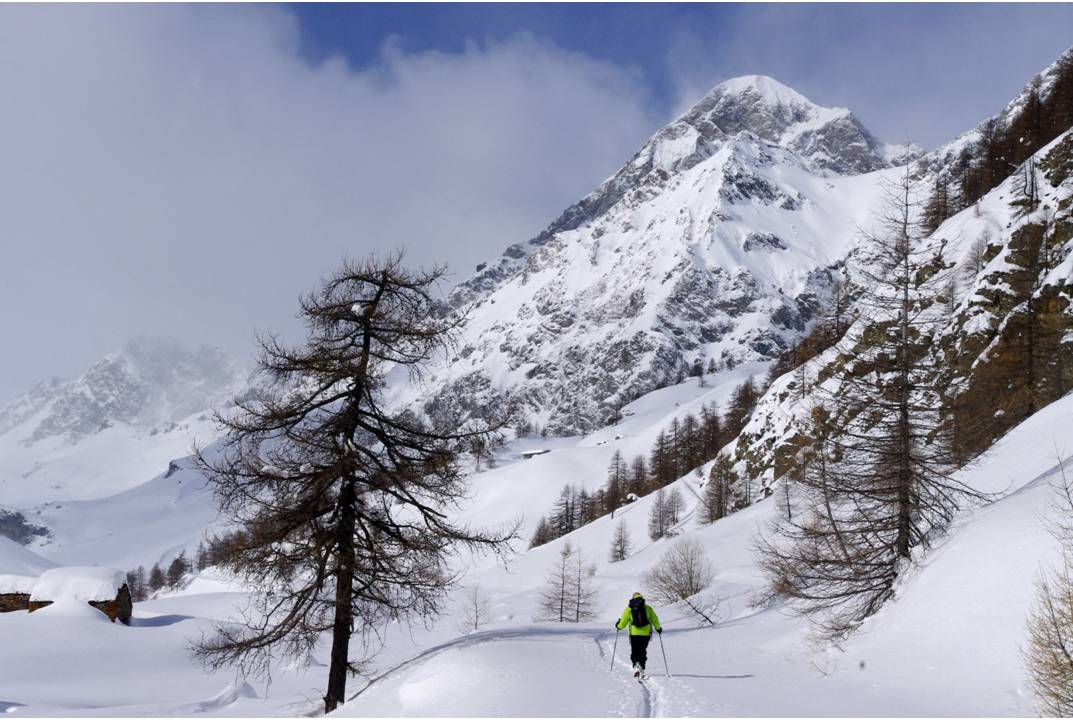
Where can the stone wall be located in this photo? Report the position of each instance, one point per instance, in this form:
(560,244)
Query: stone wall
(118,609)
(10,602)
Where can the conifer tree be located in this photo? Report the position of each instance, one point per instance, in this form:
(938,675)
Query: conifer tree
(690,452)
(639,479)
(675,506)
(136,584)
(556,598)
(937,209)
(156,578)
(620,543)
(676,442)
(661,463)
(583,590)
(617,482)
(177,569)
(658,520)
(344,503)
(476,609)
(721,480)
(1049,652)
(543,534)
(566,515)
(201,559)
(1062,94)
(887,486)
(742,404)
(711,429)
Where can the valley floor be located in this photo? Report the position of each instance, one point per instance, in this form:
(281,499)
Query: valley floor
(948,645)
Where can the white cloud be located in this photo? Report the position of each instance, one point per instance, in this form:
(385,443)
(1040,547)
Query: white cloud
(183,170)
(922,72)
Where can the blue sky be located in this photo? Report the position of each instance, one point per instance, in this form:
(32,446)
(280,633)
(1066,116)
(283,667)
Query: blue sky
(917,72)
(190,170)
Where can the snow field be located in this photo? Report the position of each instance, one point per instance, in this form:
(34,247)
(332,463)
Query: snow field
(947,645)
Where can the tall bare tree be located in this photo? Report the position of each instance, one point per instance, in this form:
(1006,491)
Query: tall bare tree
(658,517)
(721,481)
(879,483)
(675,505)
(620,543)
(617,482)
(476,609)
(556,596)
(582,589)
(343,503)
(1049,653)
(639,477)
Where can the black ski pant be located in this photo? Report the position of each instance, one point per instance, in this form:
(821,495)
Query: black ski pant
(639,649)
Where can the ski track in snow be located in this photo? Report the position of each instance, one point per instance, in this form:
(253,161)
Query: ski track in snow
(650,702)
(477,638)
(653,701)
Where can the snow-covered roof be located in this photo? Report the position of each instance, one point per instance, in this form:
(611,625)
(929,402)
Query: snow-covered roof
(80,583)
(10,584)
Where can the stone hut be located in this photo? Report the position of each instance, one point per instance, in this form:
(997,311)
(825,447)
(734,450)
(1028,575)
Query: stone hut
(100,587)
(15,592)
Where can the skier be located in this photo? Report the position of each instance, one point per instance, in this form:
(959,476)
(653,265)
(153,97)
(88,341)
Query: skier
(640,618)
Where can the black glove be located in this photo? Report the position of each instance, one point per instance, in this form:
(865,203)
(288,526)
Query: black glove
(659,630)
(617,628)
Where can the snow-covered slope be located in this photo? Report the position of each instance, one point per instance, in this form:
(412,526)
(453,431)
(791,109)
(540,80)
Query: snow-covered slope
(999,255)
(718,241)
(947,645)
(17,560)
(150,523)
(114,427)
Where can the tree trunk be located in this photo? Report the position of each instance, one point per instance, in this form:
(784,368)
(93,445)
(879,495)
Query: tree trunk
(344,612)
(904,441)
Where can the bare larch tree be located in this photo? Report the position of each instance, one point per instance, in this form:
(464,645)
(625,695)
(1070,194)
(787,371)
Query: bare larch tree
(476,609)
(1048,655)
(556,597)
(620,543)
(681,575)
(878,480)
(344,503)
(583,590)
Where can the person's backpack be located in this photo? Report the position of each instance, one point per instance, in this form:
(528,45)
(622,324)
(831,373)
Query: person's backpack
(637,609)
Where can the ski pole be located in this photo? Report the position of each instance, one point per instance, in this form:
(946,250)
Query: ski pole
(662,650)
(613,649)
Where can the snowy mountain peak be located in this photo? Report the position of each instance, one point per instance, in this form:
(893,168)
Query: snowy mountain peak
(715,244)
(151,380)
(831,140)
(768,89)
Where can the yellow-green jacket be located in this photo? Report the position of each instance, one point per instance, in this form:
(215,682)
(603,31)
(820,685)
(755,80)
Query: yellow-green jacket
(627,620)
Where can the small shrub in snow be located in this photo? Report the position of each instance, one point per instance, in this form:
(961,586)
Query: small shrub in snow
(682,574)
(476,609)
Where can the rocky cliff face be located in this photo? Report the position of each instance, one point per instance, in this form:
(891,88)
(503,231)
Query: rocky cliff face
(715,244)
(1003,348)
